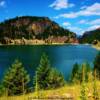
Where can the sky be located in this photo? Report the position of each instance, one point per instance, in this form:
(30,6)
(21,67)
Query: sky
(76,15)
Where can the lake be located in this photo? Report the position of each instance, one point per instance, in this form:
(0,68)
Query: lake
(62,57)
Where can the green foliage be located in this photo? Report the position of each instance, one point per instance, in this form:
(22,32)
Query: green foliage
(16,79)
(97,65)
(83,94)
(95,91)
(2,90)
(90,36)
(81,72)
(43,72)
(86,72)
(46,76)
(55,79)
(75,73)
(36,86)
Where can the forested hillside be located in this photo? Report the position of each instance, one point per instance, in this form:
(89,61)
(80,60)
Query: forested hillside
(29,27)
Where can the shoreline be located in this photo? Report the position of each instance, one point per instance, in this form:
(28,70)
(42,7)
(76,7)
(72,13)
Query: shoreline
(50,44)
(96,47)
(39,44)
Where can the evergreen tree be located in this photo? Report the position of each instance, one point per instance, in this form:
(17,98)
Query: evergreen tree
(97,65)
(16,79)
(46,76)
(88,72)
(42,72)
(55,79)
(83,71)
(2,90)
(75,73)
(95,91)
(83,95)
(36,87)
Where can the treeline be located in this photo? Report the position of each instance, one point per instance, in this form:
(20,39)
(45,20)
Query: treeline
(16,80)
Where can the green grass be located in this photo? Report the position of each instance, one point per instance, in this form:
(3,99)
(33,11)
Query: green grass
(68,91)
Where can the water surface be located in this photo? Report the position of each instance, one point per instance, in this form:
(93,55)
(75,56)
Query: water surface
(62,57)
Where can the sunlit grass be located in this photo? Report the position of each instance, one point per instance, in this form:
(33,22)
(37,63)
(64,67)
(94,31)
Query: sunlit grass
(68,91)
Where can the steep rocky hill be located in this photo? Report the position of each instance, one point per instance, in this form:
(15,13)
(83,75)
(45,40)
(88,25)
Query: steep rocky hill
(32,28)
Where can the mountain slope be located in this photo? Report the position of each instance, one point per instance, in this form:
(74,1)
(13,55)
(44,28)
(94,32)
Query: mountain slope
(29,27)
(90,36)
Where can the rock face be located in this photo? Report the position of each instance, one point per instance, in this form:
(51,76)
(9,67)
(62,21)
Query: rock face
(28,27)
(91,36)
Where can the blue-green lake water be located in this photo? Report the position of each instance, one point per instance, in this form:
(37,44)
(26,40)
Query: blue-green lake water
(62,57)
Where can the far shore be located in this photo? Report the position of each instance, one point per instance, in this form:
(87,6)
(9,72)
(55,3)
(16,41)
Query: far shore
(34,42)
(96,47)
(47,44)
(41,44)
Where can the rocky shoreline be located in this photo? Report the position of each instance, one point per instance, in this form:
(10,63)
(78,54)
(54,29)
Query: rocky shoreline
(23,41)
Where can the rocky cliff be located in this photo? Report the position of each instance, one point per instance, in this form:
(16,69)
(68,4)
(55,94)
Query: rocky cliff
(34,28)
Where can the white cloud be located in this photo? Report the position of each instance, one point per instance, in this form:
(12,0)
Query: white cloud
(90,10)
(66,24)
(94,22)
(61,4)
(93,27)
(71,15)
(2,3)
(82,21)
(77,30)
(83,7)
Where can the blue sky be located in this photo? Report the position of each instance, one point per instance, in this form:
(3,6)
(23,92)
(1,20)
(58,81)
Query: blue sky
(75,15)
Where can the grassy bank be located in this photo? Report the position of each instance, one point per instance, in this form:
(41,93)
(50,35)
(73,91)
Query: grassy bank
(68,92)
(97,46)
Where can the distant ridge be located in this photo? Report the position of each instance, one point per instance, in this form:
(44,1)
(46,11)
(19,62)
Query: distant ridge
(90,36)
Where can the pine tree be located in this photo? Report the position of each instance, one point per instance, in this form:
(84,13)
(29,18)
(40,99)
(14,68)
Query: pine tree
(16,79)
(88,72)
(75,73)
(97,65)
(83,95)
(36,87)
(42,72)
(55,79)
(2,89)
(46,76)
(95,92)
